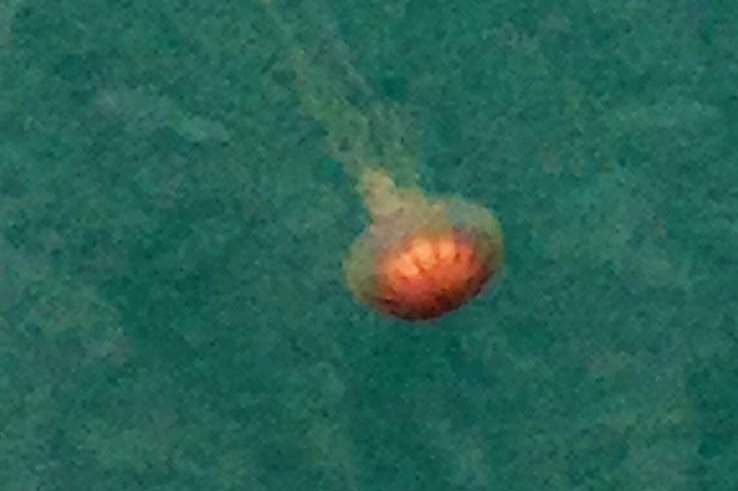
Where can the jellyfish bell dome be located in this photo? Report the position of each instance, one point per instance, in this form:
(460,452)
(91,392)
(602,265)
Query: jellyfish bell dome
(422,258)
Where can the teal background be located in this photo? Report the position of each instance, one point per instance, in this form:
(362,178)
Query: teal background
(172,309)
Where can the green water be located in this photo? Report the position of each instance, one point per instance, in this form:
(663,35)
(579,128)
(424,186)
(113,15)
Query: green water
(173,219)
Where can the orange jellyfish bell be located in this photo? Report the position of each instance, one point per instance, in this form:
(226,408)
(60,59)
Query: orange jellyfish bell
(421,259)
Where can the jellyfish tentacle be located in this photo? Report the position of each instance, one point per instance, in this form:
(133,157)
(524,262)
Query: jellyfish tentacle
(361,131)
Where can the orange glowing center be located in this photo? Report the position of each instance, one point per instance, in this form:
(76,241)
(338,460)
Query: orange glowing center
(430,275)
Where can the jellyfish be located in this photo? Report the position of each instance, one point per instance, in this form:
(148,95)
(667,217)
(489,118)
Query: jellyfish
(420,257)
